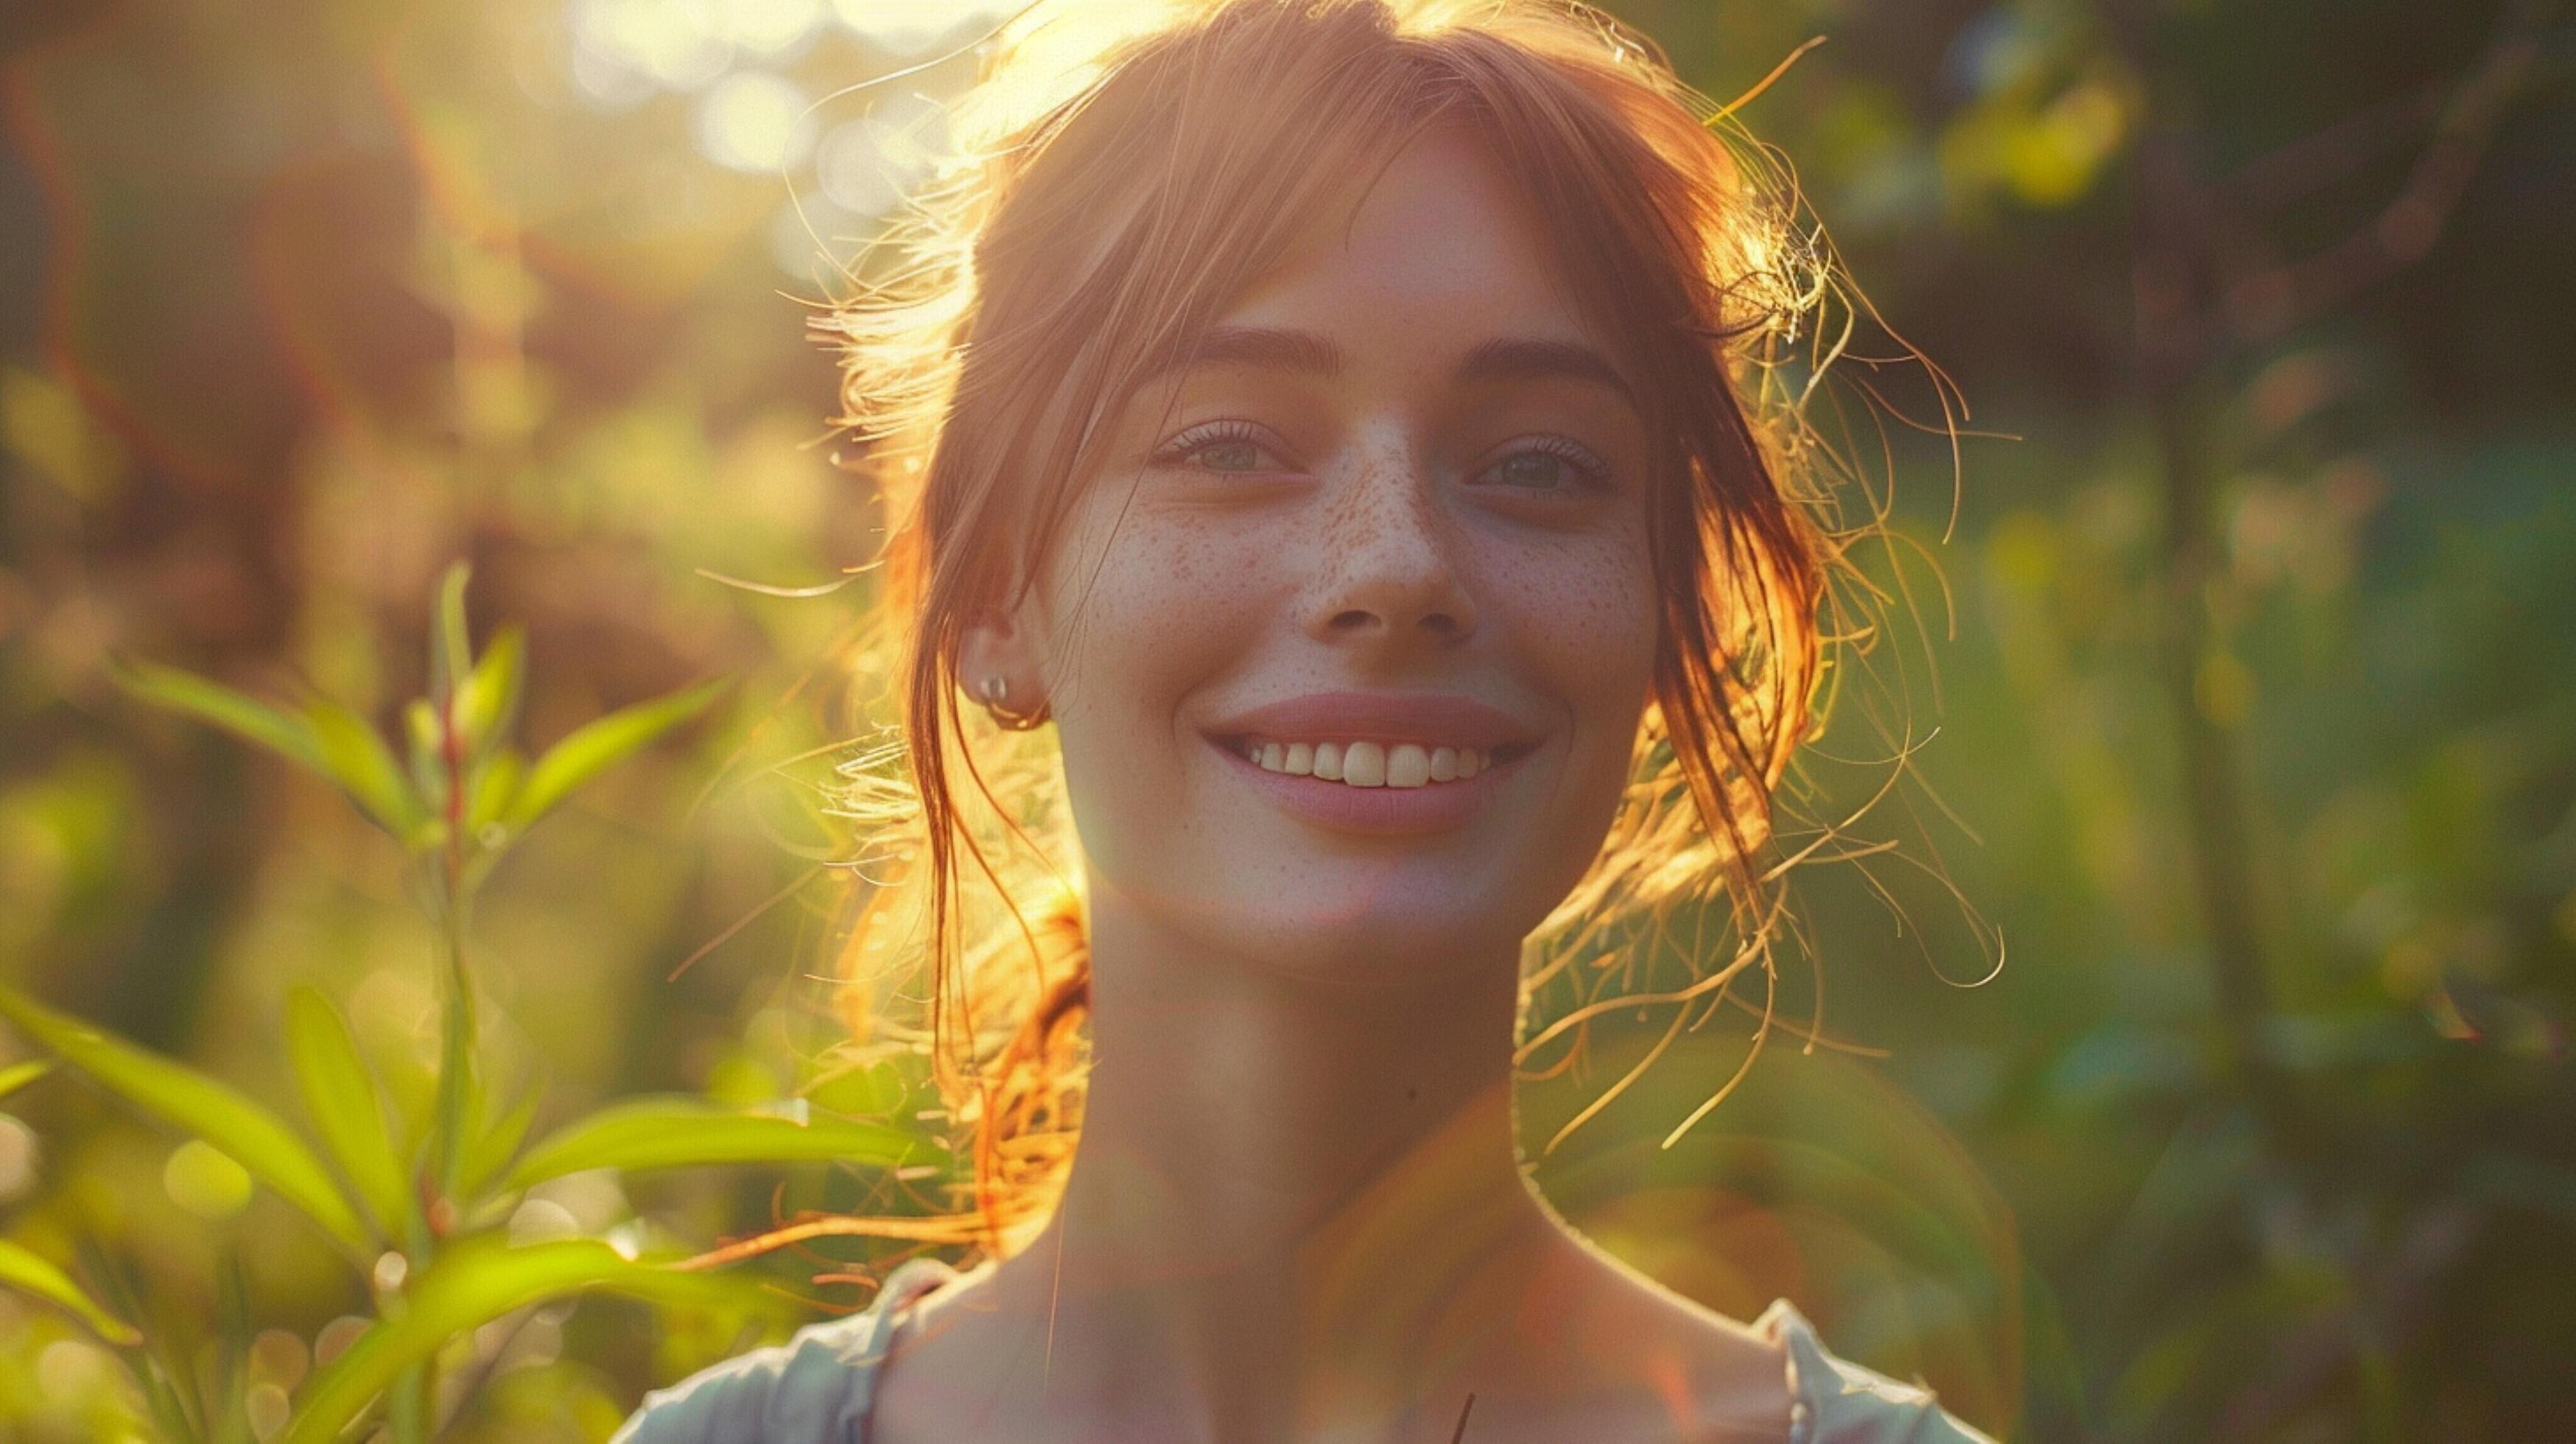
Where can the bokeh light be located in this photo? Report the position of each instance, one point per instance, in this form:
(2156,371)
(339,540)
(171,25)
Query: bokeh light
(903,27)
(773,28)
(754,121)
(677,44)
(761,82)
(868,165)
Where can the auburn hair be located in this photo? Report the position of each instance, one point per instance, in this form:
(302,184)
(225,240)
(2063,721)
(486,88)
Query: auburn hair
(1124,171)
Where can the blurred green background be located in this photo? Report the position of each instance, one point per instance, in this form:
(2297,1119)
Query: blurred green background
(2252,655)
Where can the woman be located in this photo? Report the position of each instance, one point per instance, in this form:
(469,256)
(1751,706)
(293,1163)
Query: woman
(1326,414)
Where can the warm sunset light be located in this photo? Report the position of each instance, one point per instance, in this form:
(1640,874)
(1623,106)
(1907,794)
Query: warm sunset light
(753,121)
(1287,719)
(906,27)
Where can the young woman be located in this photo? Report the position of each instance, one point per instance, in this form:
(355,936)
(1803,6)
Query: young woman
(1339,418)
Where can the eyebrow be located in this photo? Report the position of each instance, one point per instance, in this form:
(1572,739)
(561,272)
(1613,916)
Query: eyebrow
(1504,358)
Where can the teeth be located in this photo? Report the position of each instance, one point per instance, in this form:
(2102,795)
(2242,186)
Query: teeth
(1407,766)
(1366,764)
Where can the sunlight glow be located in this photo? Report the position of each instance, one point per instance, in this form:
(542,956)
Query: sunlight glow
(906,26)
(754,121)
(678,44)
(867,165)
(772,27)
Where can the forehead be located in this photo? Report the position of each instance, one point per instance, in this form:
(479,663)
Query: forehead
(1440,245)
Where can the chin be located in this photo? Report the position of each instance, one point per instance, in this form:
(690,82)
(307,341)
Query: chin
(1394,932)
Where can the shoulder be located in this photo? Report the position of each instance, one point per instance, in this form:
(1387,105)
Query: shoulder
(815,1387)
(1835,1401)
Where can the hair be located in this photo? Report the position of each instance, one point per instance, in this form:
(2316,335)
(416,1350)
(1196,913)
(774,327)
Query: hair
(1122,173)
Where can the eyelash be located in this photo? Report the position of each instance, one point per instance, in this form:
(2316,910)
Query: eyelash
(1199,438)
(1589,469)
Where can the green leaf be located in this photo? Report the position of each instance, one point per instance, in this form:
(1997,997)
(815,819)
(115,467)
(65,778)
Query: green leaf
(32,1273)
(479,1280)
(341,1097)
(489,705)
(429,769)
(238,713)
(19,1075)
(679,1130)
(255,1138)
(601,744)
(490,1147)
(451,651)
(360,761)
(496,785)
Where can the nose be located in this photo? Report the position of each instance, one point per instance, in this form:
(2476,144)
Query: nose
(1387,574)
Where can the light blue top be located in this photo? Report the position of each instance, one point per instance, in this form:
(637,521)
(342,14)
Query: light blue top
(817,1387)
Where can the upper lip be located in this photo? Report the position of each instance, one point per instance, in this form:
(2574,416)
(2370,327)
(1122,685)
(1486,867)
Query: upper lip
(1428,718)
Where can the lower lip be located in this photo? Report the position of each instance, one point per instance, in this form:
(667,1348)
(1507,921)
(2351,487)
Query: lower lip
(1374,811)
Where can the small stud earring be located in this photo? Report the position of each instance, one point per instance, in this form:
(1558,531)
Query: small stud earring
(995,693)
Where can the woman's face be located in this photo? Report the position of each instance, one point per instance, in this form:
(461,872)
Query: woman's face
(1347,651)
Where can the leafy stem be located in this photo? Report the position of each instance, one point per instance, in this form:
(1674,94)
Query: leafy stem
(413,1215)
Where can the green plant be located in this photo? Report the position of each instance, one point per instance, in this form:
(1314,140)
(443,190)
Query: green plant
(417,1210)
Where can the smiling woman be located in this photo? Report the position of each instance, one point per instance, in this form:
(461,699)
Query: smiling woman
(1346,422)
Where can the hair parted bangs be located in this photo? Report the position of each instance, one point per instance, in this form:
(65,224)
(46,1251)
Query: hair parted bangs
(1124,172)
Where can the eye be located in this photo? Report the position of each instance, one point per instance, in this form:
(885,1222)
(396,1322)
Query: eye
(1222,447)
(1549,464)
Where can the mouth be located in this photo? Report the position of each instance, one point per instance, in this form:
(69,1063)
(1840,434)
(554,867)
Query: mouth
(1373,788)
(1366,762)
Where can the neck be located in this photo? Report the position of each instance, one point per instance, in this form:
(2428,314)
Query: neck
(1285,1190)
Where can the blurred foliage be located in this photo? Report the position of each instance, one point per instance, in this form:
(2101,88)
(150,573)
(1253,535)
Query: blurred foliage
(434,1208)
(2254,669)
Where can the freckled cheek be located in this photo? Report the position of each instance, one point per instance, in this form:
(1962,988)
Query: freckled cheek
(1584,617)
(1145,616)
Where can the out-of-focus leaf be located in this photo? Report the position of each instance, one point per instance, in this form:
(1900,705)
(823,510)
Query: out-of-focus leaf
(2513,1180)
(491,1145)
(478,1281)
(244,716)
(254,1137)
(601,744)
(420,728)
(451,651)
(679,1131)
(340,1094)
(19,1075)
(878,1090)
(495,787)
(32,1273)
(359,761)
(489,705)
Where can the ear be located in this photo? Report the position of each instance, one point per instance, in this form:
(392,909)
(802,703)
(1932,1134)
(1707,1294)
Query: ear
(1002,645)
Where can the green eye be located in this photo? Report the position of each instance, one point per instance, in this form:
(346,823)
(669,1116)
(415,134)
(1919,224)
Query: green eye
(1532,468)
(1228,448)
(1549,463)
(1229,456)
